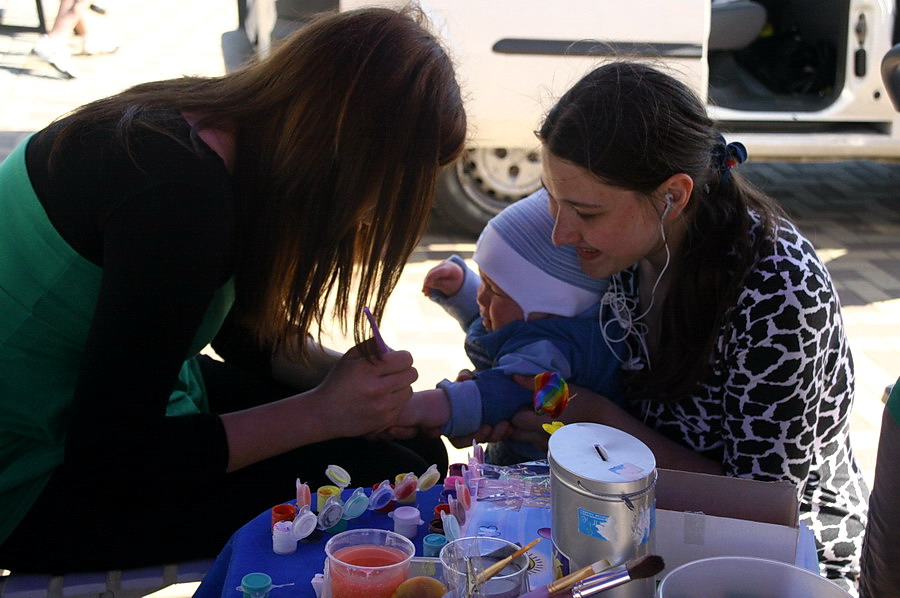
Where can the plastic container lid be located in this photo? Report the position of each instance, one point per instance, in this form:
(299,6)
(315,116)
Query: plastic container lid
(463,495)
(256,585)
(428,479)
(451,526)
(457,510)
(305,523)
(338,476)
(356,504)
(601,459)
(406,487)
(381,496)
(468,475)
(477,452)
(331,514)
(304,496)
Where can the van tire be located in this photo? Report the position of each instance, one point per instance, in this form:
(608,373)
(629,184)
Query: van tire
(480,184)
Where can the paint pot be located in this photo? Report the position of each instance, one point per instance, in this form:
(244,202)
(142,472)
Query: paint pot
(406,521)
(283,539)
(256,585)
(283,512)
(603,485)
(324,493)
(432,544)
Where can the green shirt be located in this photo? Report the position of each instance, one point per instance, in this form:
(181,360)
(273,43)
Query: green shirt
(893,402)
(47,298)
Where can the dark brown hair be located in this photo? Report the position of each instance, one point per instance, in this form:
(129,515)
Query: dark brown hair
(633,127)
(340,134)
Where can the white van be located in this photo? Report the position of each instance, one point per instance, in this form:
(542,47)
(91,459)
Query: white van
(791,79)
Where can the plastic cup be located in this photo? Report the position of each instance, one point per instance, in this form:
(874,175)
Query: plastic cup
(256,585)
(432,544)
(283,539)
(406,521)
(482,552)
(366,563)
(283,513)
(747,577)
(324,493)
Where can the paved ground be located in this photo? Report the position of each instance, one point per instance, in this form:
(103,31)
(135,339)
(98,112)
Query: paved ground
(851,210)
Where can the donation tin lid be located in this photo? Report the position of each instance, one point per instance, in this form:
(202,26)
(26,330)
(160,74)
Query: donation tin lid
(601,459)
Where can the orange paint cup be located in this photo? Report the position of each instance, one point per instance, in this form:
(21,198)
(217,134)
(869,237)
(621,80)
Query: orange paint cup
(283,513)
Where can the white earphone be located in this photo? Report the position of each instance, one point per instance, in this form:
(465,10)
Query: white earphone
(669,197)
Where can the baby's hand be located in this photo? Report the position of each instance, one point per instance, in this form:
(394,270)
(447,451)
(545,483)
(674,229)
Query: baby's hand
(464,375)
(447,277)
(426,409)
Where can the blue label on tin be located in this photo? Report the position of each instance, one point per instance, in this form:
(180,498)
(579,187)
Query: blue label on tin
(594,525)
(628,470)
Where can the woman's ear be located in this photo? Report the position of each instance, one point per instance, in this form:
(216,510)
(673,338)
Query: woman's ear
(676,191)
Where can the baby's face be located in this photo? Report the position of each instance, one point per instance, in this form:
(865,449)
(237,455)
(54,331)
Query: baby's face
(496,307)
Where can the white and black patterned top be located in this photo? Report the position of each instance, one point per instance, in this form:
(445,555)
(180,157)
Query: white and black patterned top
(776,400)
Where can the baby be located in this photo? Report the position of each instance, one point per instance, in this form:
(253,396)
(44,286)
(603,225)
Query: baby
(531,310)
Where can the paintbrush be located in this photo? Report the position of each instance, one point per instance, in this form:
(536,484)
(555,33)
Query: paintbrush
(379,342)
(638,568)
(634,569)
(564,583)
(489,572)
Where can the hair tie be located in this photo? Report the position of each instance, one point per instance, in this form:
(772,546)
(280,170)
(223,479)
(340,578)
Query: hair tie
(728,156)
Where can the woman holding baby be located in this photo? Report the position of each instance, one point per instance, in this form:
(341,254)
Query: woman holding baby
(737,363)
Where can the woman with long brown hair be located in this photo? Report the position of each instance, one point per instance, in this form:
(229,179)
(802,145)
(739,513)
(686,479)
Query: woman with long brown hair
(232,210)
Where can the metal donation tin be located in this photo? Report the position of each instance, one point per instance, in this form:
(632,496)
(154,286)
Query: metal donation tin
(602,483)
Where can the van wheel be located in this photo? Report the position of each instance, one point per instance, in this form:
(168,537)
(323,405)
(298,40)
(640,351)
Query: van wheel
(483,182)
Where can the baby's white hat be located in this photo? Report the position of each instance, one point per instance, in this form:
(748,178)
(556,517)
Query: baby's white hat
(515,250)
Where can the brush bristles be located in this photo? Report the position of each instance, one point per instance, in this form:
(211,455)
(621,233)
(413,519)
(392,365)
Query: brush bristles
(645,567)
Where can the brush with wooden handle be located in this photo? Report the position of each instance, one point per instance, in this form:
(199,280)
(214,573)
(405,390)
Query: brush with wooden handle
(494,569)
(564,583)
(599,575)
(639,568)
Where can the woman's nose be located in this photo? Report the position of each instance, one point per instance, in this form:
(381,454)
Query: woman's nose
(563,231)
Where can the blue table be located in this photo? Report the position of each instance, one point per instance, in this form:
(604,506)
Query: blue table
(250,550)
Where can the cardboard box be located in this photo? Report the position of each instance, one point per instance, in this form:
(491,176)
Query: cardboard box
(697,516)
(700,516)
